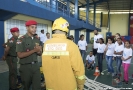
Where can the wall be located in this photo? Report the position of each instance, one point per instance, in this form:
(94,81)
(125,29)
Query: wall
(83,16)
(119,24)
(25,18)
(105,20)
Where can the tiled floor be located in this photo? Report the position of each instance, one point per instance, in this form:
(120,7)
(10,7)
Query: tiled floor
(3,66)
(104,80)
(4,85)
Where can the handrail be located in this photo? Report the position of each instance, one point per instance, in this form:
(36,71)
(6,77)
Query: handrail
(83,17)
(59,7)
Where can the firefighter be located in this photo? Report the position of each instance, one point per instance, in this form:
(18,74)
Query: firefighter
(10,56)
(61,60)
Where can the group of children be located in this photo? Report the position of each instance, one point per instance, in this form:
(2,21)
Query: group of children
(120,51)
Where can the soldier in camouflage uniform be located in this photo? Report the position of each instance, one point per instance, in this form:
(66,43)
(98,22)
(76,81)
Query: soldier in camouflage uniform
(28,48)
(10,56)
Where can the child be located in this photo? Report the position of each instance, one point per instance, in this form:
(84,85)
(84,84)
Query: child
(118,54)
(100,54)
(109,55)
(90,60)
(117,35)
(82,46)
(126,60)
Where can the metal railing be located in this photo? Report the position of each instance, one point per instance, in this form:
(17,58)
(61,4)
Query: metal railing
(58,7)
(82,17)
(61,8)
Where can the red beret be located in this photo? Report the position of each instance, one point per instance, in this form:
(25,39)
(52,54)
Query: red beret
(30,22)
(15,29)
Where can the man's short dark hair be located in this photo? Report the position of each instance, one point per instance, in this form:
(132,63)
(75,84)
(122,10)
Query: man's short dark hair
(96,30)
(47,33)
(69,38)
(42,30)
(91,51)
(81,35)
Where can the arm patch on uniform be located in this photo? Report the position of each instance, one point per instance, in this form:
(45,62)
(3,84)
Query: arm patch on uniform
(37,44)
(19,41)
(22,37)
(10,41)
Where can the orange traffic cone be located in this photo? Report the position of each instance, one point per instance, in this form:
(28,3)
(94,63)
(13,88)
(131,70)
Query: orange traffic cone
(97,73)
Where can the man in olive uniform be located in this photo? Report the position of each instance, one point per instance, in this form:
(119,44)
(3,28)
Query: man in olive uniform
(28,47)
(10,56)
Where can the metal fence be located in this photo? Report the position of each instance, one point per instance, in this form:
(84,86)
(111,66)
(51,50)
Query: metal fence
(63,9)
(58,7)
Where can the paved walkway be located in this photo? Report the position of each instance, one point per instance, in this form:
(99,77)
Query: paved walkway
(101,81)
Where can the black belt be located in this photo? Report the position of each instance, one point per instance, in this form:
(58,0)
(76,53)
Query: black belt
(30,63)
(11,55)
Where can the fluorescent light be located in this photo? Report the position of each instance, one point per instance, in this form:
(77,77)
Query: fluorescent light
(112,12)
(82,8)
(73,12)
(23,0)
(42,0)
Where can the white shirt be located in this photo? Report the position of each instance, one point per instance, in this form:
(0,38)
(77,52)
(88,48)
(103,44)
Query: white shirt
(110,49)
(119,48)
(9,36)
(45,40)
(42,37)
(82,44)
(127,52)
(116,43)
(96,37)
(101,48)
(91,59)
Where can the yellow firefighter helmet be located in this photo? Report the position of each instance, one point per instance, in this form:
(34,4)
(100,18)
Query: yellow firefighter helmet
(60,24)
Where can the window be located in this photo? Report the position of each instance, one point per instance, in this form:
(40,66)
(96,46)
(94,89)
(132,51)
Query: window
(21,25)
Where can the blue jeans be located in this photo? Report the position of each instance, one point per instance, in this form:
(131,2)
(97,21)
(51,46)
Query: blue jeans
(109,63)
(118,64)
(82,52)
(100,61)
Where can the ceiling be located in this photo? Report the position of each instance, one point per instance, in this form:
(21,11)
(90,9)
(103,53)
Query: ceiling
(107,5)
